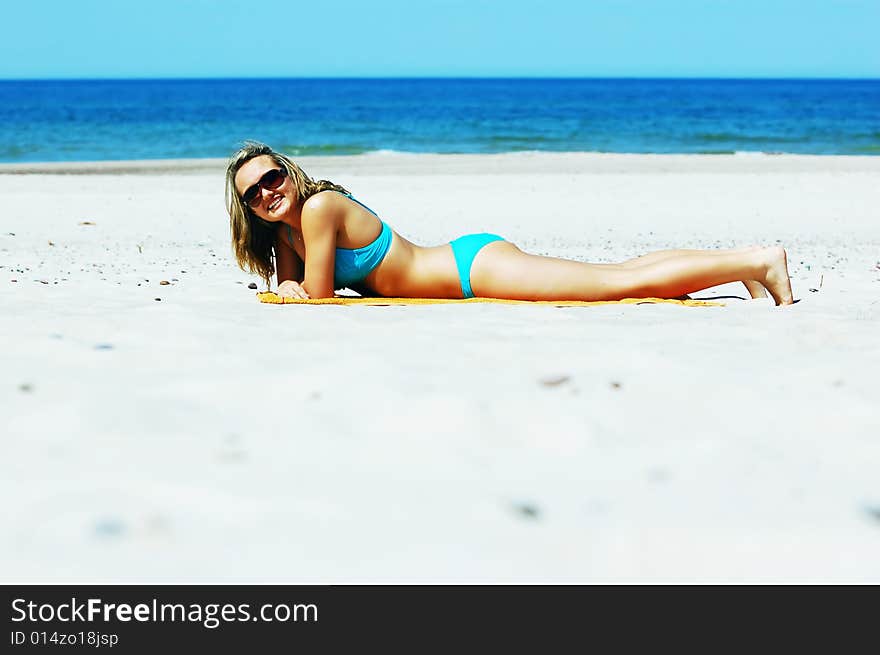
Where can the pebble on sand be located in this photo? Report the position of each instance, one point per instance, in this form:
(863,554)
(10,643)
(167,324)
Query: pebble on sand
(252,285)
(157,299)
(527,510)
(87,223)
(555,380)
(164,282)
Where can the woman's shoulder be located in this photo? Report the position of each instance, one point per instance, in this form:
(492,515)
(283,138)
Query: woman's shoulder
(323,212)
(325,201)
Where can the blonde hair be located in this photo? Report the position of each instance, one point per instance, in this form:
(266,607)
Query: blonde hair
(253,239)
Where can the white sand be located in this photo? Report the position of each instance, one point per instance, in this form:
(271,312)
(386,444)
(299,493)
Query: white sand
(209,438)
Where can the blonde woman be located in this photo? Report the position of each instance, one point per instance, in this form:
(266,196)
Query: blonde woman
(316,238)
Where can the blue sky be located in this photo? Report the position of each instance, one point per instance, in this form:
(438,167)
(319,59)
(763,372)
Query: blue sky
(480,38)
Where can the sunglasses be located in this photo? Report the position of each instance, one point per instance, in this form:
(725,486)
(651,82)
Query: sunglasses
(270,180)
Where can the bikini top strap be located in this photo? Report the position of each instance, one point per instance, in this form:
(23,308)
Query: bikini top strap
(347,195)
(351,197)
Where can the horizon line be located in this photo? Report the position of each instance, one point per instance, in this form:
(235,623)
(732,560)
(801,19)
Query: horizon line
(440,77)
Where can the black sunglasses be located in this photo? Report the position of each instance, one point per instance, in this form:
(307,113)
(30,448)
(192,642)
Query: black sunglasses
(270,180)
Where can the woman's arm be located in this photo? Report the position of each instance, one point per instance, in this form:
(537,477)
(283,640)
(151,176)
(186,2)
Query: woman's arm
(322,215)
(288,265)
(288,269)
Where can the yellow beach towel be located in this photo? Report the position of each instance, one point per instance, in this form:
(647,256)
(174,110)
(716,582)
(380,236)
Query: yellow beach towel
(274,299)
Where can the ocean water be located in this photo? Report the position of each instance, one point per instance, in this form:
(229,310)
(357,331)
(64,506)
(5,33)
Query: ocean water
(160,119)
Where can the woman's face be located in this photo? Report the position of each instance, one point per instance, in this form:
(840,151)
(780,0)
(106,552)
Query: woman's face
(269,204)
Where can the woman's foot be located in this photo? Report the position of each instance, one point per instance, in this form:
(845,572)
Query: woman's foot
(776,278)
(755,289)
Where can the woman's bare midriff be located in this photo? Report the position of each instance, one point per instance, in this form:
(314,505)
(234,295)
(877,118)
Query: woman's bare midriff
(415,271)
(407,270)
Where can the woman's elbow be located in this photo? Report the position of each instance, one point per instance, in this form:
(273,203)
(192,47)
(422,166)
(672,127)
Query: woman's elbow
(319,290)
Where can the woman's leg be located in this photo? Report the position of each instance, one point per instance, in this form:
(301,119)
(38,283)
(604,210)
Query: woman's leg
(501,270)
(755,288)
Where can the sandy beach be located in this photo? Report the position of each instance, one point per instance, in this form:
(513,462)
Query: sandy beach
(161,425)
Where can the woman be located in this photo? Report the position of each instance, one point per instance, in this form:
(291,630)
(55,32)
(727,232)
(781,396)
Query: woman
(323,239)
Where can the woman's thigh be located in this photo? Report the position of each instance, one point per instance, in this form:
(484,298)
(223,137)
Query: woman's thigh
(501,270)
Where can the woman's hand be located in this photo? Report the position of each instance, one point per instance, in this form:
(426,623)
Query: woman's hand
(292,289)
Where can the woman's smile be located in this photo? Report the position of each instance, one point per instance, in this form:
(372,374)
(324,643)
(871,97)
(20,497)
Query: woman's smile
(275,203)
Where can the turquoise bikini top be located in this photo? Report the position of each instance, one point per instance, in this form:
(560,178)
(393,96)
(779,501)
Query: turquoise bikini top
(352,265)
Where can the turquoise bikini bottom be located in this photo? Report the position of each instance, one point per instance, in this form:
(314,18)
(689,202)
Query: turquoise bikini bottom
(465,249)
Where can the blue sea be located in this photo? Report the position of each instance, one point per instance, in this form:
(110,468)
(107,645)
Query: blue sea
(161,119)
